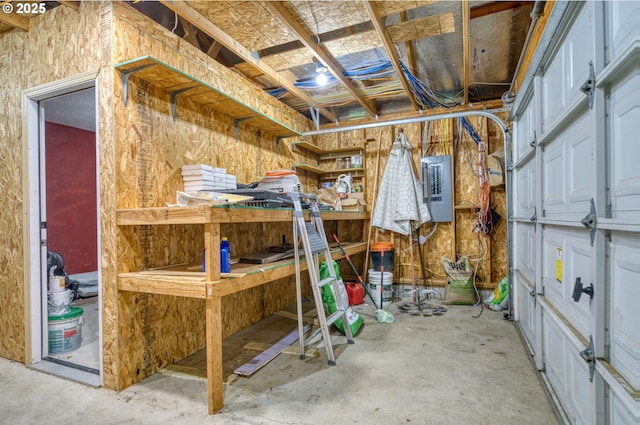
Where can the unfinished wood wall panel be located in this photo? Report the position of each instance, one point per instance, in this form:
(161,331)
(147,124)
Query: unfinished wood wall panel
(151,147)
(449,240)
(470,243)
(61,43)
(138,36)
(150,342)
(108,233)
(499,250)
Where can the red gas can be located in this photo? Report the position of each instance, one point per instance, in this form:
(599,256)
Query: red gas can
(355,293)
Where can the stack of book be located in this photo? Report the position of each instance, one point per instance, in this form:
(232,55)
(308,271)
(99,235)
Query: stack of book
(197,177)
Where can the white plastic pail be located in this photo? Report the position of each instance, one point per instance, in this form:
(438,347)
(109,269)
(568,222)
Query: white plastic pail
(381,285)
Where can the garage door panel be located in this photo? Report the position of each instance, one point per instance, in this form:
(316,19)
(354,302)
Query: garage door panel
(567,172)
(567,372)
(525,251)
(525,178)
(524,131)
(525,308)
(620,415)
(568,70)
(553,172)
(580,167)
(625,128)
(582,390)
(580,51)
(625,306)
(554,349)
(567,256)
(553,92)
(623,26)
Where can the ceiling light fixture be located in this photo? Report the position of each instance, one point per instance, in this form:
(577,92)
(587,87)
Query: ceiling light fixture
(322,77)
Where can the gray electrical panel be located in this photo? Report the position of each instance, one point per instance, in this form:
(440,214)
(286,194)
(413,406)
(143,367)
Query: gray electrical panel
(435,172)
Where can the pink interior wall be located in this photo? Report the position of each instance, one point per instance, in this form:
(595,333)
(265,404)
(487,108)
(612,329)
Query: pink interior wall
(71,196)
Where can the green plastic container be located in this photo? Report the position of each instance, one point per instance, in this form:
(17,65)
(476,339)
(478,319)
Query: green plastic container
(65,331)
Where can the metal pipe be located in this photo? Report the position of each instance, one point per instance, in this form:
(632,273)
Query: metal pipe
(506,135)
(487,114)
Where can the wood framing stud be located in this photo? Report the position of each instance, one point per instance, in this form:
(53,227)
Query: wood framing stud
(390,49)
(203,24)
(15,20)
(278,9)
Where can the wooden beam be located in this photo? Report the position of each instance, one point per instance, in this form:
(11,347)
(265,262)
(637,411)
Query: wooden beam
(278,9)
(214,49)
(390,49)
(75,5)
(189,33)
(15,20)
(465,48)
(208,27)
(495,7)
(408,47)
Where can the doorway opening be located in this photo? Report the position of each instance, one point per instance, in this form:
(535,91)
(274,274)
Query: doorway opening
(65,252)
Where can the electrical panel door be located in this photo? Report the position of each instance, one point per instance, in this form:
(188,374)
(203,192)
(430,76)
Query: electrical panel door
(435,173)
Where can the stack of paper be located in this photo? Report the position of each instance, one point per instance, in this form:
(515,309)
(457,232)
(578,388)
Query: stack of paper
(197,177)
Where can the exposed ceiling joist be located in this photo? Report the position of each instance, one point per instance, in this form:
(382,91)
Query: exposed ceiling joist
(214,49)
(189,33)
(408,46)
(75,5)
(390,49)
(15,20)
(495,7)
(466,16)
(278,9)
(205,25)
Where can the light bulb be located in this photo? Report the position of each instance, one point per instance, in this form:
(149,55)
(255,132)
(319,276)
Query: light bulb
(322,79)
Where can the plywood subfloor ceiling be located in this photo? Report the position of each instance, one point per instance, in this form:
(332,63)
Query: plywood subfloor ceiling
(382,58)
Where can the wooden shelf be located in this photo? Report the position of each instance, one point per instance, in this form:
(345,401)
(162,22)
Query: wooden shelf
(177,83)
(220,214)
(178,281)
(334,153)
(330,174)
(190,281)
(310,168)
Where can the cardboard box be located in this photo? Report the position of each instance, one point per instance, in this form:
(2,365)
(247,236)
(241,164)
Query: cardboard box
(356,195)
(353,205)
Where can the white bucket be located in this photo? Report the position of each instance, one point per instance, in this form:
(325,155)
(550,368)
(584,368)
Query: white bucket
(57,283)
(382,289)
(65,332)
(58,302)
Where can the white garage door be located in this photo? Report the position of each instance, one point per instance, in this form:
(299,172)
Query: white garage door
(576,211)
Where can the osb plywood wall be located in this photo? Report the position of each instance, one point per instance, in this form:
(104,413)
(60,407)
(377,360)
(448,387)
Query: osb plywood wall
(61,43)
(151,148)
(450,240)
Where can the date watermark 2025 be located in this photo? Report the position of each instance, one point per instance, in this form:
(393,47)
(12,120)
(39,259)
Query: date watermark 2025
(26,8)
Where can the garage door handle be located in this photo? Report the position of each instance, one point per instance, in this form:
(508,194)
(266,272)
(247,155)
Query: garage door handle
(578,290)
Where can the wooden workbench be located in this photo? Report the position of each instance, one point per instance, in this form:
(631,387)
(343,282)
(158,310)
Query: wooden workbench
(211,285)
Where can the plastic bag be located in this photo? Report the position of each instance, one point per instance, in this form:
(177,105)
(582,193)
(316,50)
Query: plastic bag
(459,289)
(328,296)
(500,296)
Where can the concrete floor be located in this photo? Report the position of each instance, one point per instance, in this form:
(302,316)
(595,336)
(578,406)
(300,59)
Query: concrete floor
(437,370)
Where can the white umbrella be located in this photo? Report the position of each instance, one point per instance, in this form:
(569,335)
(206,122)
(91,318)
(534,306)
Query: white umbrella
(399,201)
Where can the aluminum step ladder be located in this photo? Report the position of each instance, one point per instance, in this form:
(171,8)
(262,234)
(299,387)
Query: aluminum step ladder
(316,248)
